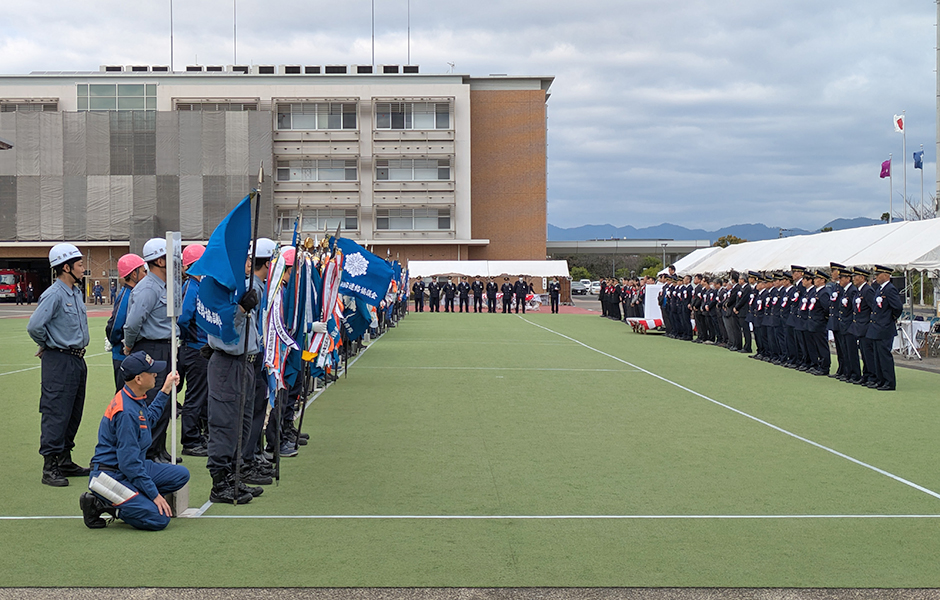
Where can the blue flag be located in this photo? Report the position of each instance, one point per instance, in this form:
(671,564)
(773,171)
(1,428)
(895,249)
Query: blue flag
(365,275)
(356,319)
(222,268)
(919,160)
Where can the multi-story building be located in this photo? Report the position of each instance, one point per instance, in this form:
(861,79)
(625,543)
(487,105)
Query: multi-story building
(419,166)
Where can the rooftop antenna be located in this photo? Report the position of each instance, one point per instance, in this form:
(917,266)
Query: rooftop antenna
(452,66)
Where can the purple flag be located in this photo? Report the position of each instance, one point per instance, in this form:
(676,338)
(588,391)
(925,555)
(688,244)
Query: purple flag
(886,169)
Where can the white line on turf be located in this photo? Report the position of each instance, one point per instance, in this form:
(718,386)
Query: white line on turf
(744,414)
(504,369)
(39,366)
(199,515)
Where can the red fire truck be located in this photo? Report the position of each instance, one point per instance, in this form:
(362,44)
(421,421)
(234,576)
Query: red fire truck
(10,278)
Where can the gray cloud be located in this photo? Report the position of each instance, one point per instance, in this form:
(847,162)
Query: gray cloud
(697,113)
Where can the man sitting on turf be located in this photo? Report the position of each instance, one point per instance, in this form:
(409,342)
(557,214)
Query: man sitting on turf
(136,484)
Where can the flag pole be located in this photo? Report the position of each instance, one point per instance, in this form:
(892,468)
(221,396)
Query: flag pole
(890,192)
(923,215)
(904,152)
(244,388)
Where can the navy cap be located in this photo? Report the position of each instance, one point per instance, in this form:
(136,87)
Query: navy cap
(140,362)
(778,275)
(861,271)
(835,265)
(808,273)
(821,274)
(787,275)
(753,274)
(797,268)
(883,269)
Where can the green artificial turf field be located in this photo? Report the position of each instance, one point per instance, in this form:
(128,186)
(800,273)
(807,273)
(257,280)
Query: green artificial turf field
(549,450)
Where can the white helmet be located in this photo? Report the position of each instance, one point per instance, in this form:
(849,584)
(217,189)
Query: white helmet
(62,253)
(265,248)
(154,249)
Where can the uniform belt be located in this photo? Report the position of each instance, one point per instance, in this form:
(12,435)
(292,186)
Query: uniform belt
(79,352)
(107,467)
(250,358)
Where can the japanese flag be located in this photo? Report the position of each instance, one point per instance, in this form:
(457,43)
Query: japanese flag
(899,123)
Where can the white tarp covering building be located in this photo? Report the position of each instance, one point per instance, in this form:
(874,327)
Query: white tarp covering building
(688,262)
(488,268)
(904,246)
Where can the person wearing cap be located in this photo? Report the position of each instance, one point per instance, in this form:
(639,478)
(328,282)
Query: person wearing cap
(231,373)
(477,288)
(784,336)
(834,291)
(847,345)
(192,364)
(885,310)
(554,293)
(418,288)
(794,299)
(131,271)
(520,289)
(149,329)
(506,290)
(123,441)
(861,320)
(59,326)
(434,296)
(450,291)
(491,290)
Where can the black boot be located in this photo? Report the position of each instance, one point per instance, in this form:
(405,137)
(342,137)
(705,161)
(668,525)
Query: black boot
(92,508)
(51,475)
(223,491)
(69,468)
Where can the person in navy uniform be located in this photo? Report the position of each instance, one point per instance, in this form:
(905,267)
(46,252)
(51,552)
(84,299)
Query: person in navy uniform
(886,307)
(477,288)
(131,270)
(861,320)
(450,291)
(817,332)
(434,296)
(834,291)
(463,294)
(491,291)
(59,326)
(418,289)
(520,289)
(554,293)
(192,364)
(849,363)
(506,290)
(123,441)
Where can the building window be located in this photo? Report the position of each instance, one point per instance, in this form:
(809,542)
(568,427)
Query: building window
(412,115)
(120,96)
(319,219)
(412,219)
(217,106)
(307,116)
(22,106)
(412,170)
(317,170)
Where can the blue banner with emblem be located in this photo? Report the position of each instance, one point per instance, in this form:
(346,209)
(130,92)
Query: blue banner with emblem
(365,275)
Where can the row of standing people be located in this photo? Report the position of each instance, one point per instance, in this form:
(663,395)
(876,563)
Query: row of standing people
(789,316)
(623,298)
(464,289)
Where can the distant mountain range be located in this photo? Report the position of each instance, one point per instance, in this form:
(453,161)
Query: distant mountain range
(667,231)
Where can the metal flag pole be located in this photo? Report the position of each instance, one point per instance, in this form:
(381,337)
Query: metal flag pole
(244,388)
(904,152)
(890,192)
(923,215)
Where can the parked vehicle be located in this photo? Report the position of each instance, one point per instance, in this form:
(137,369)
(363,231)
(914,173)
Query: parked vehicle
(578,289)
(596,288)
(586,282)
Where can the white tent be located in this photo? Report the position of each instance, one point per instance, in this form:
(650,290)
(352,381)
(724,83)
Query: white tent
(910,245)
(687,263)
(488,268)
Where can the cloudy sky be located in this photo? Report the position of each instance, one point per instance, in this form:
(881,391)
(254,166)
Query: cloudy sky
(699,113)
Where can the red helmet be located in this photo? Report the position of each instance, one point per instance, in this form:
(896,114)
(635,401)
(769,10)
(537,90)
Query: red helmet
(289,255)
(127,264)
(192,253)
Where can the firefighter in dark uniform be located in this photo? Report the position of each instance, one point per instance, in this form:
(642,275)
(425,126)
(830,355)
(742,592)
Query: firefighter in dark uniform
(192,364)
(450,291)
(851,367)
(491,290)
(60,327)
(418,289)
(507,291)
(886,307)
(477,288)
(520,289)
(463,293)
(148,329)
(817,331)
(554,293)
(434,296)
(834,290)
(123,440)
(861,320)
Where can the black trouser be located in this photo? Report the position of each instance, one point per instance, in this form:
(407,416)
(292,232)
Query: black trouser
(435,305)
(884,362)
(256,406)
(745,328)
(61,401)
(478,304)
(288,400)
(853,368)
(840,352)
(780,332)
(554,299)
(464,303)
(520,301)
(228,378)
(867,348)
(491,304)
(722,336)
(507,302)
(734,333)
(614,310)
(118,378)
(419,302)
(158,350)
(192,368)
(448,304)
